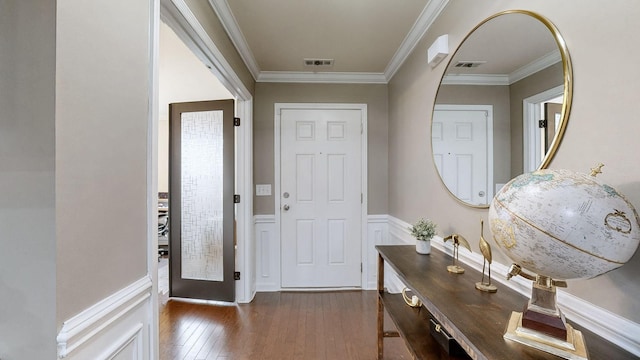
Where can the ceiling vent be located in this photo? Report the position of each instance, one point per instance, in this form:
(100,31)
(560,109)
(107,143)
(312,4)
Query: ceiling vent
(469,64)
(318,62)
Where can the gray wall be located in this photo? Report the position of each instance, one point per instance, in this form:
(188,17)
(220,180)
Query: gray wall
(27,161)
(73,163)
(375,96)
(102,116)
(603,126)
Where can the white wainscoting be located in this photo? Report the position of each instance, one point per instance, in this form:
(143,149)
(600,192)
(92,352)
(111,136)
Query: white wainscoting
(117,327)
(267,253)
(377,234)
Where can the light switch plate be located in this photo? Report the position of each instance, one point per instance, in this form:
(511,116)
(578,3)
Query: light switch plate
(263,189)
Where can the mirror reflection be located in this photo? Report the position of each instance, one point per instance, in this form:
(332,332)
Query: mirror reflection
(502,105)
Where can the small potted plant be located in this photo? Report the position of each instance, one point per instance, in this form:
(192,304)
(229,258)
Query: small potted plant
(423,230)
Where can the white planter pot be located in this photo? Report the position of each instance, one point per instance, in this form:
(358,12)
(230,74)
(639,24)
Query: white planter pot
(423,247)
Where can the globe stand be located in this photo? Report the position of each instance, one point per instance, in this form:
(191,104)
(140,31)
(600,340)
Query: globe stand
(542,325)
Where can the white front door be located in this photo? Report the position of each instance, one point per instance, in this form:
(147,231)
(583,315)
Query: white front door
(320,197)
(461,152)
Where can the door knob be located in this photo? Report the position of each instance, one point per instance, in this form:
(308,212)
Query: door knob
(481,194)
(285,207)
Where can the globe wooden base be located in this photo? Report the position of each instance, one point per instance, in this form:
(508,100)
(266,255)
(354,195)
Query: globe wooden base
(573,347)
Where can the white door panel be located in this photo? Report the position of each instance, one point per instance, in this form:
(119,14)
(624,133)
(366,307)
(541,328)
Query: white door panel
(320,196)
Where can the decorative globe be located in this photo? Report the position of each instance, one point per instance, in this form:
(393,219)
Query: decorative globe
(563,224)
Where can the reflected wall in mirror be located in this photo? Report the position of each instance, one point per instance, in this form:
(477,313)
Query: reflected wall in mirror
(502,105)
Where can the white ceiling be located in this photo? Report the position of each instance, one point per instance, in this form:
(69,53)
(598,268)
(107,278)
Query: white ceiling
(367,39)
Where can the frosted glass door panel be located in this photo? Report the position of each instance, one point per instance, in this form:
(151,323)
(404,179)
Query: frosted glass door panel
(202,191)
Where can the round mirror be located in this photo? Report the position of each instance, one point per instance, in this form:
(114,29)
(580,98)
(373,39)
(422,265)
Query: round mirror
(502,105)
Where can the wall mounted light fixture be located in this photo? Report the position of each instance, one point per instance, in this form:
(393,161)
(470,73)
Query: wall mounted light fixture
(438,50)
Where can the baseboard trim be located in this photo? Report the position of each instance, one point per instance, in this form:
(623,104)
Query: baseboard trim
(85,326)
(610,326)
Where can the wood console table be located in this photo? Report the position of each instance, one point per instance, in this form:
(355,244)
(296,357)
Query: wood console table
(477,320)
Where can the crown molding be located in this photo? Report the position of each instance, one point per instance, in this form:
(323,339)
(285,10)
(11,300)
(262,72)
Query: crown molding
(222,9)
(533,67)
(475,79)
(321,77)
(419,28)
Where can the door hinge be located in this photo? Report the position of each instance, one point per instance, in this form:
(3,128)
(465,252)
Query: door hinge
(360,267)
(236,275)
(542,124)
(236,121)
(236,199)
(361,198)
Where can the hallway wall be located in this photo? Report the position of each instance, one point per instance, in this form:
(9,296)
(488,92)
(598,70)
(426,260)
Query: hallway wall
(102,115)
(27,178)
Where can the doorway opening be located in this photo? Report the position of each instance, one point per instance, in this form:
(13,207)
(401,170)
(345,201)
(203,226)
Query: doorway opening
(182,78)
(199,53)
(535,139)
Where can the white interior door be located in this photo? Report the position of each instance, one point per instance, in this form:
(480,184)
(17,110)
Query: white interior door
(320,197)
(461,151)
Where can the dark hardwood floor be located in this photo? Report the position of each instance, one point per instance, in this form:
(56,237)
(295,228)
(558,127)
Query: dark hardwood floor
(280,325)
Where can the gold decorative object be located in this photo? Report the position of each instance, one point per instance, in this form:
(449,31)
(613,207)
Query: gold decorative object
(413,301)
(597,170)
(485,249)
(457,241)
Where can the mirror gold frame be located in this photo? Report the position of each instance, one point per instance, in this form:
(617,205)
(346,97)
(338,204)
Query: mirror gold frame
(567,93)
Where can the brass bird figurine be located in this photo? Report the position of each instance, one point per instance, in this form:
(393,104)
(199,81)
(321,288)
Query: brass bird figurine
(457,241)
(485,249)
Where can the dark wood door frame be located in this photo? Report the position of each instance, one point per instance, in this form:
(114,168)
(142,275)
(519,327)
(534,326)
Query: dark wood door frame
(191,288)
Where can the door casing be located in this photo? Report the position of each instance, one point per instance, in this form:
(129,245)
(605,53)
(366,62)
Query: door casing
(198,288)
(531,133)
(277,167)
